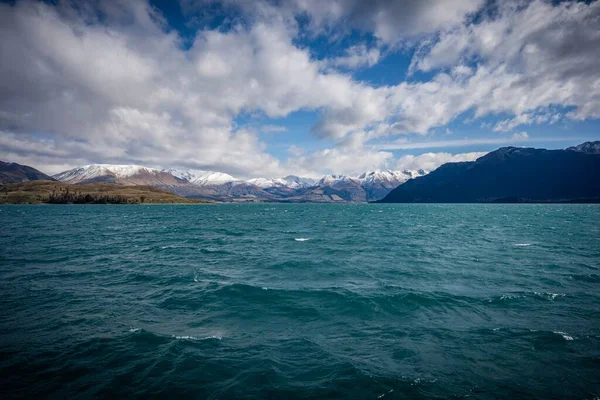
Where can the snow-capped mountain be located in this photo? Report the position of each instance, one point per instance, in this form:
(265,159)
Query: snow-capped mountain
(290,181)
(200,177)
(123,174)
(328,180)
(80,174)
(377,184)
(390,176)
(214,185)
(368,186)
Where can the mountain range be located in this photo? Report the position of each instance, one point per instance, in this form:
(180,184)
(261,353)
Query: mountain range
(510,174)
(220,186)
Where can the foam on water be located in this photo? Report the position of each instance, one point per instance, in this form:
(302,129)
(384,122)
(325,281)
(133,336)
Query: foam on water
(188,337)
(564,335)
(301,239)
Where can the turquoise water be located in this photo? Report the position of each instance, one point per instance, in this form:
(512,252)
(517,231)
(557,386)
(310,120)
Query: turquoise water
(300,301)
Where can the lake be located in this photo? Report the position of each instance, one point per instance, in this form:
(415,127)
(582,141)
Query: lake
(300,301)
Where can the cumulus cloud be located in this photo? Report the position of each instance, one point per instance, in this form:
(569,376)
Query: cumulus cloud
(391,21)
(528,57)
(107,81)
(523,61)
(350,161)
(130,93)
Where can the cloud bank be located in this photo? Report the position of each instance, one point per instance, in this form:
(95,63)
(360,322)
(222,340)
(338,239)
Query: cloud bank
(111,81)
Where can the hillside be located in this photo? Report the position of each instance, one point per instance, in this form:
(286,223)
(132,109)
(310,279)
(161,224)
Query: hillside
(12,172)
(509,174)
(33,192)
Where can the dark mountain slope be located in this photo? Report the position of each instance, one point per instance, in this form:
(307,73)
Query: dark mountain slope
(587,147)
(508,174)
(13,173)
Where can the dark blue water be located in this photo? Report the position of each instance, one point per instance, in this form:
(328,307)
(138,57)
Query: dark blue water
(230,301)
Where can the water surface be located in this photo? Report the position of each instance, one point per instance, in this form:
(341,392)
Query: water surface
(300,301)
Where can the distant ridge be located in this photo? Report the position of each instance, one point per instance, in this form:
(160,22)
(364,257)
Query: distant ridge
(510,174)
(120,174)
(213,185)
(13,173)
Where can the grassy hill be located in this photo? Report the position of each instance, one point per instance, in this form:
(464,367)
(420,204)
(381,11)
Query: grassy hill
(53,192)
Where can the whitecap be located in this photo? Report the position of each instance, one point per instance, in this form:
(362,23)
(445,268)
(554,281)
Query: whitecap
(522,244)
(132,329)
(565,335)
(301,239)
(549,296)
(187,337)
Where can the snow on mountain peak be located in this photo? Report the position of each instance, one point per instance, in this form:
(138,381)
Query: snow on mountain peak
(92,171)
(331,179)
(386,178)
(200,177)
(290,181)
(389,175)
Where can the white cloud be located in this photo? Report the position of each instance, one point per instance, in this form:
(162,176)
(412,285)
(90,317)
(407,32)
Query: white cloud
(121,88)
(403,144)
(390,21)
(350,161)
(526,119)
(430,161)
(130,93)
(358,56)
(273,128)
(528,57)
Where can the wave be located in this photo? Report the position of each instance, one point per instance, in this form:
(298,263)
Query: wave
(565,335)
(161,338)
(549,296)
(302,239)
(187,337)
(523,244)
(516,296)
(586,277)
(213,250)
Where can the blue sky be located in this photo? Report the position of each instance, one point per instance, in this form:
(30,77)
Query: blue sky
(270,88)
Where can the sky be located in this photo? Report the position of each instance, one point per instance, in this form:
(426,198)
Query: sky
(268,88)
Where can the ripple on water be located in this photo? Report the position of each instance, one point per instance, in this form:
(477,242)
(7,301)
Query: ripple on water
(300,301)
